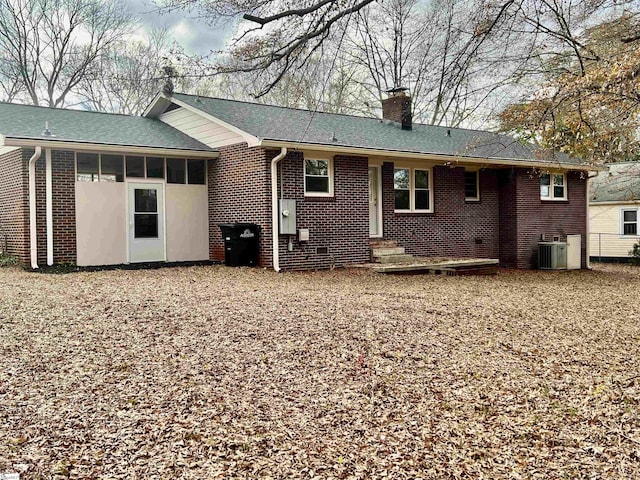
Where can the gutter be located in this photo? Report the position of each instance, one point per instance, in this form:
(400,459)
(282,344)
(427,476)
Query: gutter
(274,208)
(33,228)
(434,157)
(91,147)
(588,263)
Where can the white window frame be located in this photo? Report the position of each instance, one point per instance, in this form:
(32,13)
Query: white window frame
(412,188)
(477,174)
(329,175)
(551,197)
(622,222)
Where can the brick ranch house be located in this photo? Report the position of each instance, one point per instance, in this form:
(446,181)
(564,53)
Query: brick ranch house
(97,189)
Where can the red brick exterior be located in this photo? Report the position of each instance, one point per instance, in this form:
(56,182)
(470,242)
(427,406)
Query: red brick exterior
(14,213)
(239,191)
(524,217)
(506,223)
(14,209)
(397,108)
(339,223)
(456,228)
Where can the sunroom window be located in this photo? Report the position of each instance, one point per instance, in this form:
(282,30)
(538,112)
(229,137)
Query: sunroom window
(87,167)
(95,167)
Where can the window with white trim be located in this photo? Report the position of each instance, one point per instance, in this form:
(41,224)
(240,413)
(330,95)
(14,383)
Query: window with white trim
(471,185)
(412,189)
(553,186)
(318,179)
(629,221)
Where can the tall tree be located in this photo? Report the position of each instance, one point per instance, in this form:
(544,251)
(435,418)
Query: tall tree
(430,48)
(277,37)
(590,104)
(48,46)
(127,75)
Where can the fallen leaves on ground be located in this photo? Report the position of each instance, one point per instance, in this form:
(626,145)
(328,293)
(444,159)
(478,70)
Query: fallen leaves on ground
(213,372)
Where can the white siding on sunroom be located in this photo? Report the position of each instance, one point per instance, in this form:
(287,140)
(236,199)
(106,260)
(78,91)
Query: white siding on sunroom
(202,129)
(605,238)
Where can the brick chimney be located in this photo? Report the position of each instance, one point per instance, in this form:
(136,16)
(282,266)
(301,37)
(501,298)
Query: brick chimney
(397,108)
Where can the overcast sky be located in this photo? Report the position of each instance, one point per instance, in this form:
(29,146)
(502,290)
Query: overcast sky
(192,33)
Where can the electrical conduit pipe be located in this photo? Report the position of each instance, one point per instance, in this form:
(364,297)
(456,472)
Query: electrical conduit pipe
(274,207)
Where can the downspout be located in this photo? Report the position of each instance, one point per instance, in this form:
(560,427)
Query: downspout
(274,207)
(49,207)
(33,228)
(589,177)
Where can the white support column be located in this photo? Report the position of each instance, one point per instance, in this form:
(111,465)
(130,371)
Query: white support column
(49,206)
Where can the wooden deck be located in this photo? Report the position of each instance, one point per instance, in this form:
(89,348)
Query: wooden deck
(472,266)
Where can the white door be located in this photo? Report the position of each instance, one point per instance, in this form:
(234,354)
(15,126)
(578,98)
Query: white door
(374,200)
(574,252)
(146,222)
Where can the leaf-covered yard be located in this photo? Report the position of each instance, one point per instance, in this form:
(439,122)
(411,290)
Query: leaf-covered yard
(211,372)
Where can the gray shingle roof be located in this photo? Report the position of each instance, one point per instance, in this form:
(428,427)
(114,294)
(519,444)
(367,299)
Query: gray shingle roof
(28,122)
(268,122)
(620,184)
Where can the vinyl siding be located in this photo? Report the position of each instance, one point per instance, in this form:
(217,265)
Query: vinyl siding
(206,131)
(605,238)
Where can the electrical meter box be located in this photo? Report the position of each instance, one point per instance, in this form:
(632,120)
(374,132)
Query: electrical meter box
(287,217)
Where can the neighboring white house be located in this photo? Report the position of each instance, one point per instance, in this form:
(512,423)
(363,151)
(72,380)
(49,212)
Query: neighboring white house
(614,212)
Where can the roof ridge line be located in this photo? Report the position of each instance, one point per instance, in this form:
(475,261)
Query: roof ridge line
(362,117)
(42,107)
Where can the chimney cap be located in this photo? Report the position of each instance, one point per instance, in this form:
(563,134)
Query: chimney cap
(397,90)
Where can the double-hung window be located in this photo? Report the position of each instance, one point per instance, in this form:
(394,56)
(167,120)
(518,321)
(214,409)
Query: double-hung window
(629,221)
(318,179)
(412,189)
(553,186)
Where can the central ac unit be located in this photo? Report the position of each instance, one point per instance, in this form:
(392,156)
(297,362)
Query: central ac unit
(552,255)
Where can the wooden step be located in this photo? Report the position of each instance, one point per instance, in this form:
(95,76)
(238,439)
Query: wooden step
(485,266)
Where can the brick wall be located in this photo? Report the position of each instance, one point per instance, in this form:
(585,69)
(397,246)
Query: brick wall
(525,217)
(64,207)
(506,223)
(239,191)
(14,204)
(456,228)
(508,218)
(339,223)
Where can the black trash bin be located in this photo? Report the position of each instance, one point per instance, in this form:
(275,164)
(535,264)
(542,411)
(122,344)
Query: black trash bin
(241,244)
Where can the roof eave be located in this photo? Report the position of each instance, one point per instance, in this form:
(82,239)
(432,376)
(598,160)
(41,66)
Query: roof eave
(92,146)
(157,106)
(266,143)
